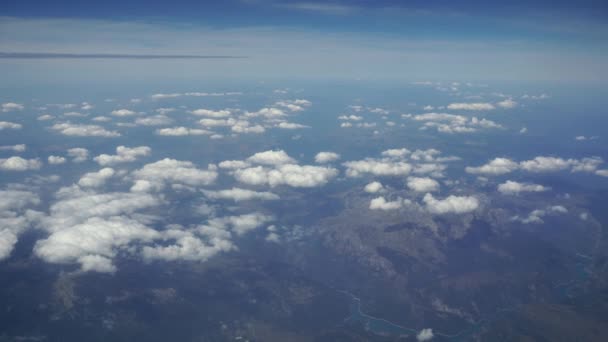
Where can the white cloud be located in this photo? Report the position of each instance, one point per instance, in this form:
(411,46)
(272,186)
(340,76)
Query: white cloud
(45,117)
(96,179)
(374,187)
(238,194)
(11,106)
(546,164)
(326,157)
(536,216)
(123,154)
(9,125)
(19,164)
(603,173)
(14,218)
(450,204)
(380,203)
(291,125)
(350,117)
(181,131)
(396,153)
(14,148)
(377,168)
(83,130)
(56,160)
(212,113)
(497,166)
(425,335)
(233,164)
(243,126)
(154,120)
(422,184)
(155,176)
(514,188)
(78,154)
(471,106)
(123,112)
(269,113)
(507,103)
(286,174)
(271,157)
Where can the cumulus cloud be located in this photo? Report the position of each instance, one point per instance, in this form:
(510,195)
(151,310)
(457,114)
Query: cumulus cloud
(450,204)
(513,188)
(14,148)
(536,216)
(497,166)
(96,179)
(212,113)
(422,184)
(326,157)
(123,112)
(291,125)
(154,120)
(396,153)
(78,154)
(19,164)
(155,176)
(451,123)
(374,187)
(11,106)
(507,103)
(123,154)
(380,203)
(9,125)
(377,168)
(425,335)
(238,194)
(80,130)
(233,164)
(546,164)
(271,157)
(181,131)
(56,160)
(14,217)
(294,175)
(471,106)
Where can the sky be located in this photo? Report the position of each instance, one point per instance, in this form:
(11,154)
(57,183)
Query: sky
(474,40)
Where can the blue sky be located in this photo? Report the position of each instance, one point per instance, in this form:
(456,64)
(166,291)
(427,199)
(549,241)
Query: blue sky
(518,40)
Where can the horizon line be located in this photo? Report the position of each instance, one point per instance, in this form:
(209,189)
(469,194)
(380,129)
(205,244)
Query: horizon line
(54,55)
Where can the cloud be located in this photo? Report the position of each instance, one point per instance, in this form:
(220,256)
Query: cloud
(233,164)
(513,188)
(181,131)
(536,216)
(212,113)
(380,203)
(14,148)
(155,176)
(11,106)
(154,120)
(546,164)
(508,103)
(603,173)
(78,154)
(271,157)
(450,204)
(471,106)
(396,153)
(291,125)
(80,130)
(238,194)
(96,179)
(374,187)
(326,157)
(377,168)
(422,184)
(451,123)
(14,218)
(9,125)
(425,335)
(243,126)
(56,160)
(350,117)
(19,164)
(294,175)
(497,166)
(123,155)
(123,112)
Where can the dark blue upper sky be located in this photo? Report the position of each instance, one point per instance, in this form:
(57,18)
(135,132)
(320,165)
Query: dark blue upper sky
(509,36)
